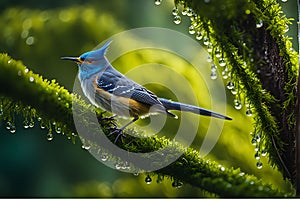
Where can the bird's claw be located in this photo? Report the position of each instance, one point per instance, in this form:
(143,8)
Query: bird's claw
(119,133)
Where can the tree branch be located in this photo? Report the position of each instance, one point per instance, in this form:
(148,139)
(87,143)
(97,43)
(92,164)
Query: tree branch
(47,98)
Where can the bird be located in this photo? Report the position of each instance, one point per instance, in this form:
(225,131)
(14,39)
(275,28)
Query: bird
(109,90)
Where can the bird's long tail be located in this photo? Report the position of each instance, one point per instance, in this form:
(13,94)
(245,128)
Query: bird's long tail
(171,105)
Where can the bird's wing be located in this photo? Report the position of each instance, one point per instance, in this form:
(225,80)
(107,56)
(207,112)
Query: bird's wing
(117,84)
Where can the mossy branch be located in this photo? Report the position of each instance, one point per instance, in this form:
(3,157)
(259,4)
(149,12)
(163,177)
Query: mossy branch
(250,35)
(37,97)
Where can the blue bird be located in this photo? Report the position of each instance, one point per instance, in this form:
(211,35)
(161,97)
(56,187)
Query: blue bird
(107,88)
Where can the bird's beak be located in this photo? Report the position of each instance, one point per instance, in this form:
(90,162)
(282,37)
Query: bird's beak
(75,59)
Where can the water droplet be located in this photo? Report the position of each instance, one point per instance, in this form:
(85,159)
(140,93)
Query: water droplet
(253,141)
(225,73)
(57,129)
(26,124)
(205,41)
(217,52)
(8,62)
(287,28)
(31,79)
(259,165)
(259,23)
(31,123)
(257,137)
(49,136)
(177,19)
(222,169)
(233,91)
(135,174)
(230,85)
(256,147)
(26,71)
(42,125)
(264,152)
(257,155)
(157,2)
(199,35)
(206,1)
(30,40)
(284,1)
(104,157)
(175,11)
(213,75)
(19,73)
(148,180)
(1,110)
(86,147)
(192,30)
(184,11)
(213,68)
(249,112)
(13,129)
(190,12)
(118,165)
(8,125)
(241,174)
(209,48)
(222,62)
(194,18)
(209,59)
(237,104)
(177,184)
(39,119)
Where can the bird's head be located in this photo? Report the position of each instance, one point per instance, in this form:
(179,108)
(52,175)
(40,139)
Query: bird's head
(91,62)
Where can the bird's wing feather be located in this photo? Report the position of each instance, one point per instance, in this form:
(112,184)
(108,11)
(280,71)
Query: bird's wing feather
(117,84)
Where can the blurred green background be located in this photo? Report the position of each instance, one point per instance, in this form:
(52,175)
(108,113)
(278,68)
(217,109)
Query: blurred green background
(39,33)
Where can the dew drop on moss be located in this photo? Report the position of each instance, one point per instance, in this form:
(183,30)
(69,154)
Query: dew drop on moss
(157,2)
(222,62)
(213,75)
(26,124)
(259,23)
(230,85)
(177,184)
(148,180)
(199,36)
(217,52)
(177,19)
(259,165)
(31,79)
(175,11)
(49,137)
(104,157)
(192,30)
(249,112)
(264,152)
(1,110)
(257,155)
(184,11)
(238,104)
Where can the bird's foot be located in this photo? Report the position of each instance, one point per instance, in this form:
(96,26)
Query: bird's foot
(119,132)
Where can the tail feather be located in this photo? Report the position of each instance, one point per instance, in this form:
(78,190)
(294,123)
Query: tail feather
(170,105)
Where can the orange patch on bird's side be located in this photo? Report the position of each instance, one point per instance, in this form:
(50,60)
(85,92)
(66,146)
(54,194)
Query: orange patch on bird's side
(138,108)
(100,91)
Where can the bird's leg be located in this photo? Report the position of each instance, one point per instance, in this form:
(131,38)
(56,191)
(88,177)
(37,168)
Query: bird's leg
(119,131)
